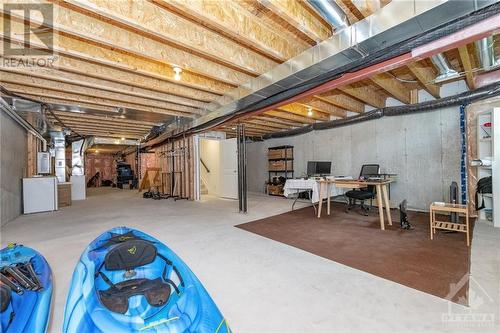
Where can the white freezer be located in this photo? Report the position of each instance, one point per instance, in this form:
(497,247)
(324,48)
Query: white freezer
(39,194)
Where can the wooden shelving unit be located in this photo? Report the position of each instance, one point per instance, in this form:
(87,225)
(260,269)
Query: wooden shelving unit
(486,148)
(280,163)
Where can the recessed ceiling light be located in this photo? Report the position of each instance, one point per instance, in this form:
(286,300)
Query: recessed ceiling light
(309,111)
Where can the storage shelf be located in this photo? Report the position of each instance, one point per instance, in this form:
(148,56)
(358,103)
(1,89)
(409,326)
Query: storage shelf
(280,170)
(279,147)
(450,226)
(281,159)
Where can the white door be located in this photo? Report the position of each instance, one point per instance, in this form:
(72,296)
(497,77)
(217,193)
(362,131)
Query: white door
(228,179)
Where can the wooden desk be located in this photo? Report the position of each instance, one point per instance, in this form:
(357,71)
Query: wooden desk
(382,195)
(449,208)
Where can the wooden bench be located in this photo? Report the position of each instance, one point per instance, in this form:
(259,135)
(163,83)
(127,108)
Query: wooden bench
(446,225)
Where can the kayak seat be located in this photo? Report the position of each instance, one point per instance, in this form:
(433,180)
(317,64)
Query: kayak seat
(5,296)
(116,297)
(129,255)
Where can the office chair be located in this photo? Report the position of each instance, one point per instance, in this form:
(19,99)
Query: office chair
(363,194)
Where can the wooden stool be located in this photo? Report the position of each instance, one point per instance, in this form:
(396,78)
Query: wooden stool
(450,208)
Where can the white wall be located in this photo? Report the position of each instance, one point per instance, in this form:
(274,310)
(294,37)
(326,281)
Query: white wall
(210,154)
(423,149)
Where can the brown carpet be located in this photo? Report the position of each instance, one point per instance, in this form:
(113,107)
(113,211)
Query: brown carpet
(406,257)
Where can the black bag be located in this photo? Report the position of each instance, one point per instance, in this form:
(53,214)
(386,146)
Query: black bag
(484,185)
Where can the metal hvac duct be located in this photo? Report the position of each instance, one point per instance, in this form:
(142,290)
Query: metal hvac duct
(486,53)
(59,143)
(331,12)
(445,71)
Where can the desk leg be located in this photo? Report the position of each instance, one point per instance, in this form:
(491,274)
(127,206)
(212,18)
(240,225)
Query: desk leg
(320,203)
(387,204)
(311,199)
(431,223)
(328,198)
(380,206)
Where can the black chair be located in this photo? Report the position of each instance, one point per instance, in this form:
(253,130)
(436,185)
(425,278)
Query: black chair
(364,194)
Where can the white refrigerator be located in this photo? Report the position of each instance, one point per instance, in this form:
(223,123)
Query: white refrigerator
(39,194)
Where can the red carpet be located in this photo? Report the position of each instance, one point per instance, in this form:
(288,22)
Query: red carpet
(406,257)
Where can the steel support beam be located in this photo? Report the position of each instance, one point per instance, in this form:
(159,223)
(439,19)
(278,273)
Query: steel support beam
(242,168)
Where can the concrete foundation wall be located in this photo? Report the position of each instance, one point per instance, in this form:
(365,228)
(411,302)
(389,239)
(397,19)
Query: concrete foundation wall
(13,155)
(423,149)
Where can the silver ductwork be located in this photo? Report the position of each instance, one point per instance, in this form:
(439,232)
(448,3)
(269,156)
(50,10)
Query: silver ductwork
(331,12)
(486,53)
(445,71)
(59,143)
(77,160)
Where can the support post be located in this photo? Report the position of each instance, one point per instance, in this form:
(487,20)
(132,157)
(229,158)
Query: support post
(242,168)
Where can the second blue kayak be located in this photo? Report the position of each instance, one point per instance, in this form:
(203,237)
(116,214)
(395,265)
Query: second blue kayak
(25,290)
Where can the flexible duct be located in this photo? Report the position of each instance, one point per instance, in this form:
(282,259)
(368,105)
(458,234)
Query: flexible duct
(331,12)
(486,52)
(445,71)
(460,99)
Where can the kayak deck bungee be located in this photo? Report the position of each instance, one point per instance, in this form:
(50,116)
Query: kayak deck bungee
(127,281)
(25,289)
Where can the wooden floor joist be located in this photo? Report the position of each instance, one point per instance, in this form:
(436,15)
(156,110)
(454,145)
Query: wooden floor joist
(15,80)
(174,31)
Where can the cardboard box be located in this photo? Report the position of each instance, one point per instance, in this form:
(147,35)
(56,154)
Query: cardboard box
(280,165)
(280,153)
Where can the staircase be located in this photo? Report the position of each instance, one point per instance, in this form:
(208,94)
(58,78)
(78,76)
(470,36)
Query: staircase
(203,188)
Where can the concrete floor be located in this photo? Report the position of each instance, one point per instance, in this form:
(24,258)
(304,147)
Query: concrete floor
(261,285)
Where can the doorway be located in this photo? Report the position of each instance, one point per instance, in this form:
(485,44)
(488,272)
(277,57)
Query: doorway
(218,168)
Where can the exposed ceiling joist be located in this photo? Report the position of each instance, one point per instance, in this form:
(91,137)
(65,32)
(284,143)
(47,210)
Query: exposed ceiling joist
(73,48)
(393,87)
(114,119)
(300,18)
(54,86)
(74,98)
(75,28)
(267,123)
(465,58)
(365,94)
(302,110)
(425,76)
(324,107)
(280,121)
(290,116)
(154,22)
(235,23)
(105,85)
(343,101)
(99,123)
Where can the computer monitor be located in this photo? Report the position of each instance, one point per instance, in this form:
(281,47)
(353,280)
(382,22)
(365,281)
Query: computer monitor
(319,168)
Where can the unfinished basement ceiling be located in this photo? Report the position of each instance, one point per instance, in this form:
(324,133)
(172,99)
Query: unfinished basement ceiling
(115,70)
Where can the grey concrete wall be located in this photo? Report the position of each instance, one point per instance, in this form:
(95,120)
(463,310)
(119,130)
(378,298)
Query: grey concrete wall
(423,149)
(13,156)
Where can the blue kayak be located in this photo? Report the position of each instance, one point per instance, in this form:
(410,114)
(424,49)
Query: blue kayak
(127,281)
(25,290)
